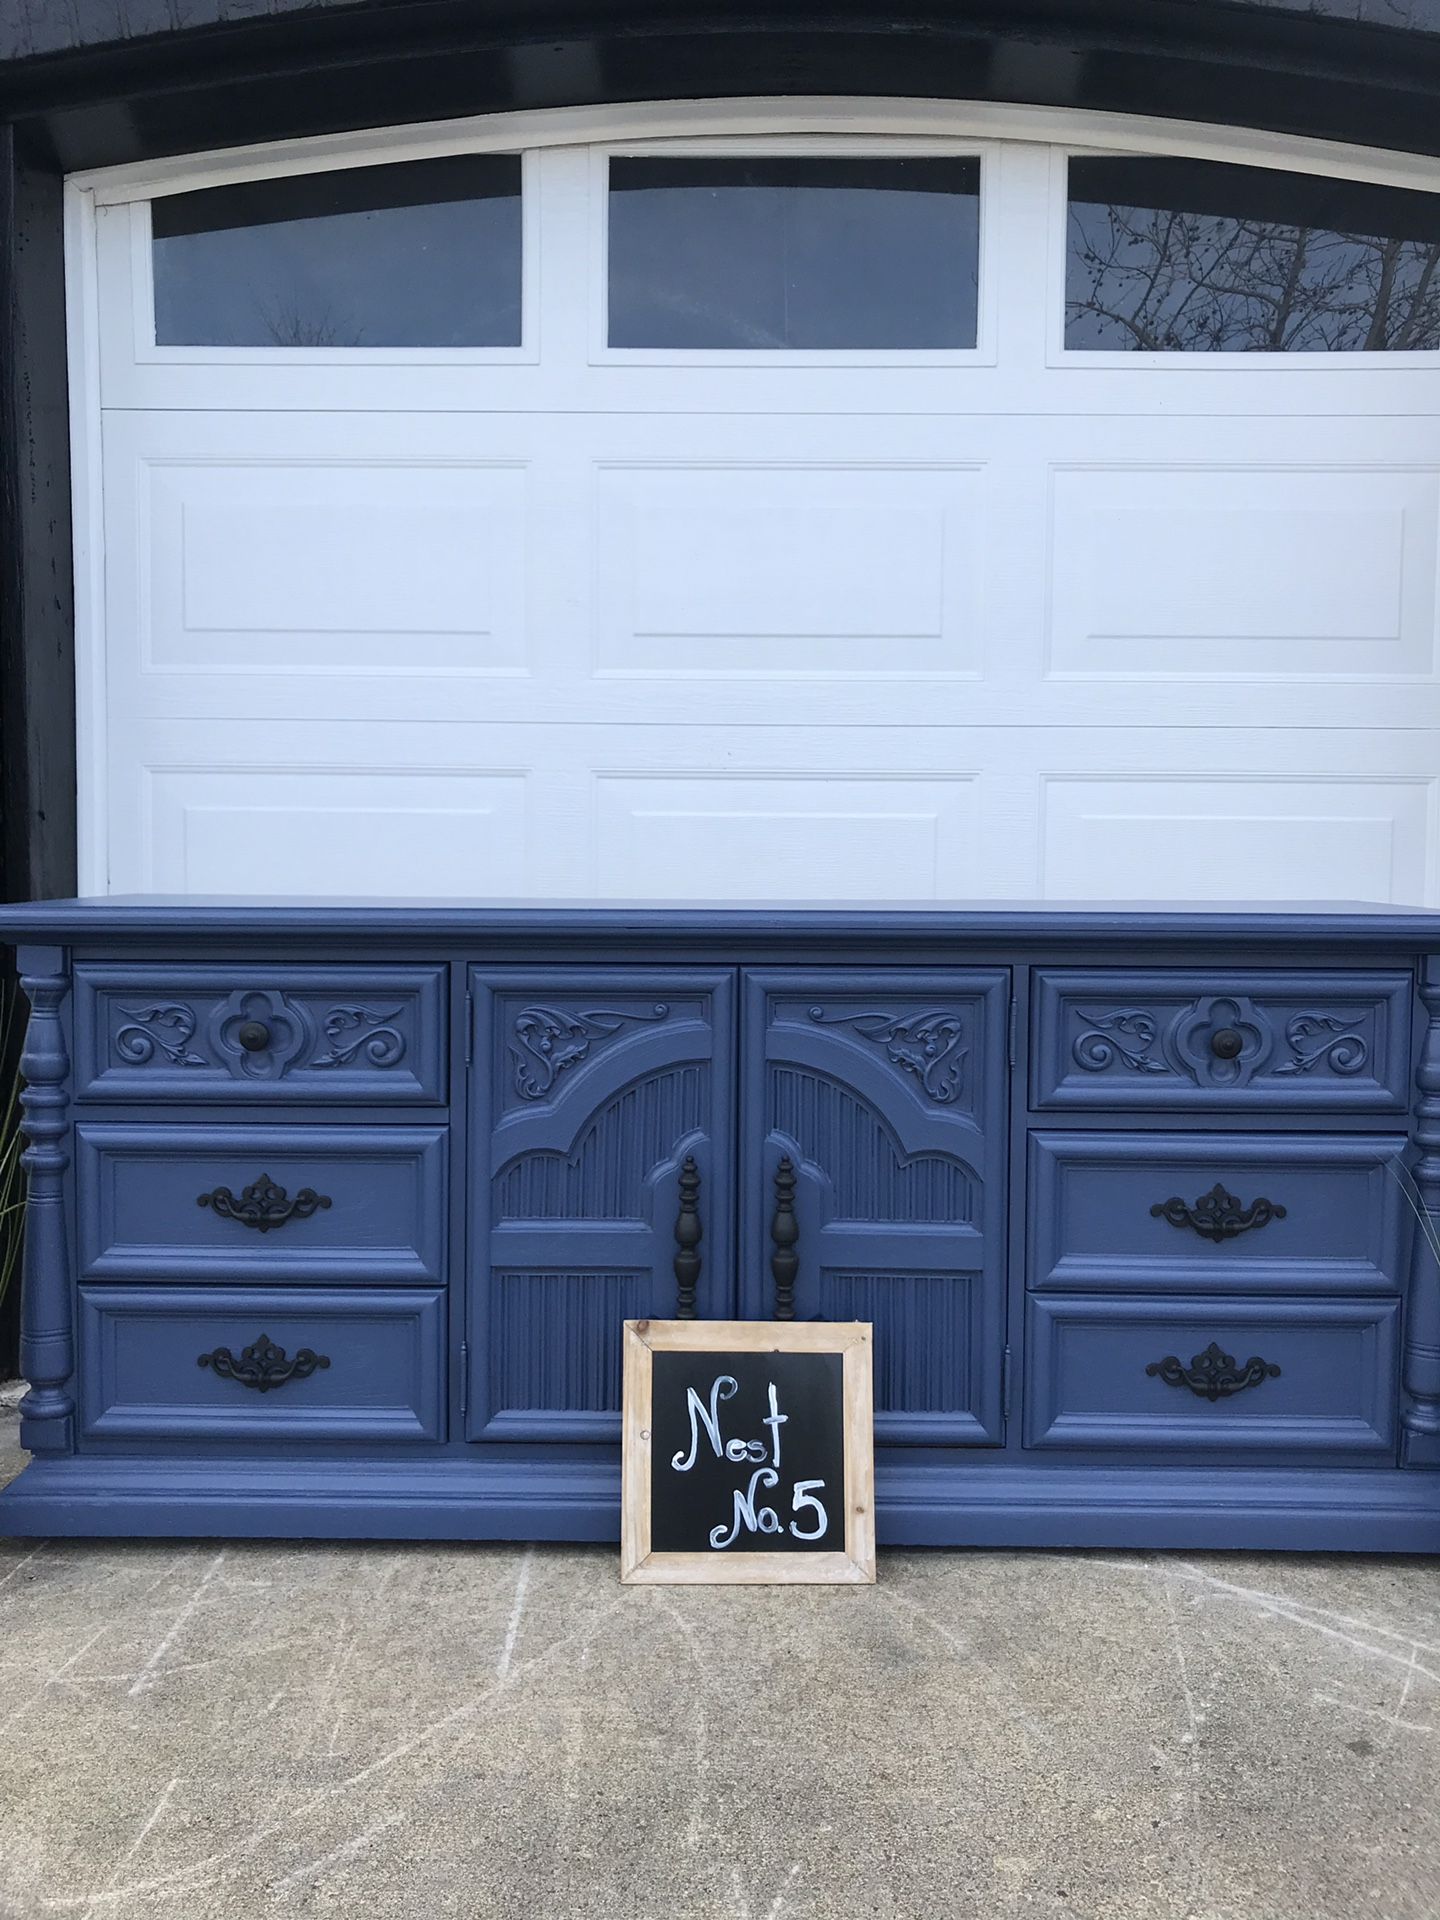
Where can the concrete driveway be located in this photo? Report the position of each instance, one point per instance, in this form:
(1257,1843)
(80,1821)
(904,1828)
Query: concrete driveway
(220,1731)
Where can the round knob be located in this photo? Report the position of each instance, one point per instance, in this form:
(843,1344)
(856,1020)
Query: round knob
(1226,1043)
(254,1036)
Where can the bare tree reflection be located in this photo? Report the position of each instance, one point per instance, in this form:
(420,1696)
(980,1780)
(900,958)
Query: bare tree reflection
(1175,281)
(289,325)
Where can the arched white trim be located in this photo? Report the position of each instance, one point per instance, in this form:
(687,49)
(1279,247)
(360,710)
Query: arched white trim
(763,118)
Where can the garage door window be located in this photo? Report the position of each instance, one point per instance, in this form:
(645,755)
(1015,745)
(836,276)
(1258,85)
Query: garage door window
(420,255)
(1196,256)
(789,253)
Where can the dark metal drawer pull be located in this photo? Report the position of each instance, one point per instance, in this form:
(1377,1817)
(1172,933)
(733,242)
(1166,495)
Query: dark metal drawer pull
(1218,1215)
(784,1232)
(688,1233)
(264,1366)
(263,1205)
(1213,1375)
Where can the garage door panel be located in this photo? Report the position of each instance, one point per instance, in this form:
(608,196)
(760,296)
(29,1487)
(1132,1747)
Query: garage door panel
(1174,571)
(1232,837)
(420,568)
(1027,380)
(880,813)
(256,552)
(327,830)
(712,569)
(787,835)
(311,566)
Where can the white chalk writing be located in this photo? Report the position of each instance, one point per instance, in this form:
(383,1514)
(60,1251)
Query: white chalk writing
(749,1513)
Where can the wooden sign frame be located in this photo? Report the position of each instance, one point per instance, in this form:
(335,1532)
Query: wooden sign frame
(852,1340)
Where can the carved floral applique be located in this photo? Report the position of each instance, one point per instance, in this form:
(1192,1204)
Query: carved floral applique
(355,1030)
(167,1028)
(1127,1034)
(546,1041)
(1320,1039)
(930,1045)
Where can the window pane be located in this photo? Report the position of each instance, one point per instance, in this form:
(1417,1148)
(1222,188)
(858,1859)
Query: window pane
(794,253)
(1193,256)
(425,254)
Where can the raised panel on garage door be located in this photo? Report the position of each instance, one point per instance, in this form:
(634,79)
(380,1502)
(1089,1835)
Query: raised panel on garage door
(885,1093)
(596,1094)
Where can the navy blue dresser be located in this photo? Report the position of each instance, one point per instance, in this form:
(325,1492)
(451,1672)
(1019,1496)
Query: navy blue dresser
(336,1210)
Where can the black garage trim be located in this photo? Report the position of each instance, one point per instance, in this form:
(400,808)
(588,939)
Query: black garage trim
(312,66)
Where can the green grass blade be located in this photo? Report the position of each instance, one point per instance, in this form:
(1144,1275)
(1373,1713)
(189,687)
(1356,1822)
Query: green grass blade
(1406,1182)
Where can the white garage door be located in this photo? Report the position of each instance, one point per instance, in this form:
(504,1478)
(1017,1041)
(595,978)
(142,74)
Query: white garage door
(836,514)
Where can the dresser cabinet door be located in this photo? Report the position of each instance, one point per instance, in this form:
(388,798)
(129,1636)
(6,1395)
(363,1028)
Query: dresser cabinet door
(882,1097)
(602,1133)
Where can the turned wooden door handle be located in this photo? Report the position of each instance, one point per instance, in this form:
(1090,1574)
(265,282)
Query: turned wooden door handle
(784,1233)
(688,1234)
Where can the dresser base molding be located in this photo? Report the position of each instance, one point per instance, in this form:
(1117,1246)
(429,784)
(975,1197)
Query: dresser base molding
(1306,1511)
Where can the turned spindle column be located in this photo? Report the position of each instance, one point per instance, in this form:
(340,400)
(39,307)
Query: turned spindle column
(688,1234)
(1420,1418)
(47,1335)
(784,1233)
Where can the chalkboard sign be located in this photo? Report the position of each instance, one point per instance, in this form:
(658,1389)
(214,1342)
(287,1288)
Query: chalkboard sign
(749,1452)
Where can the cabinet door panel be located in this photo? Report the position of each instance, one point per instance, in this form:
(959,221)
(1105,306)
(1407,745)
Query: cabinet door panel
(887,1093)
(591,1091)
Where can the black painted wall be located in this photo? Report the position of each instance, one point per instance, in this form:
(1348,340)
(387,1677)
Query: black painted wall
(32,29)
(37,702)
(108,80)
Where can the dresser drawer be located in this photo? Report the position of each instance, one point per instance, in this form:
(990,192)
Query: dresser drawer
(1139,1374)
(372,1035)
(323,1205)
(253,1364)
(1256,1041)
(1215,1213)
